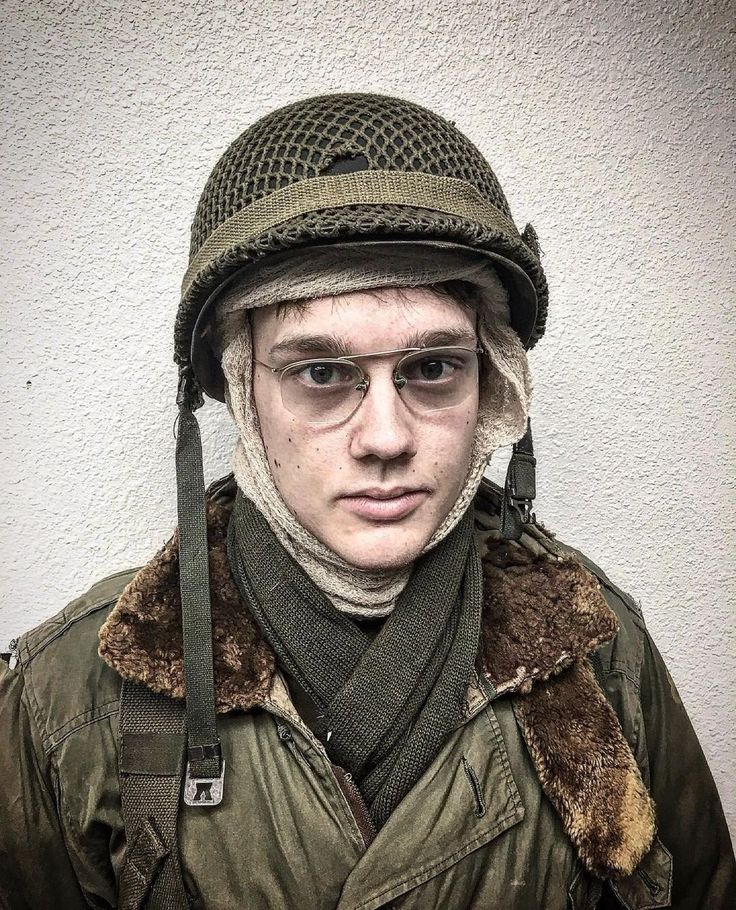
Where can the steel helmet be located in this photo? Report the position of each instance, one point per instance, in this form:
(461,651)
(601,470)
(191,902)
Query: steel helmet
(348,166)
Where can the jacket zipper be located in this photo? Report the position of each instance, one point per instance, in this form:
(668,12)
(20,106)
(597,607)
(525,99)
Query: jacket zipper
(345,782)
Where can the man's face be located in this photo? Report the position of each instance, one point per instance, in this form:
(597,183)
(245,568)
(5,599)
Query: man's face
(384,444)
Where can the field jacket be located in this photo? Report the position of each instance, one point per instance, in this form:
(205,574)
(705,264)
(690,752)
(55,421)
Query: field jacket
(574,780)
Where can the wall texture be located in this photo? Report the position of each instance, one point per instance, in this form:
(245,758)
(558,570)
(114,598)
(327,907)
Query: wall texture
(611,127)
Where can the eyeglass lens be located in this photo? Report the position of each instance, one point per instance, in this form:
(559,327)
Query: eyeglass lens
(329,391)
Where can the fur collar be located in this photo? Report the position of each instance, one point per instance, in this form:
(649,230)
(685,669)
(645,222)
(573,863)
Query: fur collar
(543,612)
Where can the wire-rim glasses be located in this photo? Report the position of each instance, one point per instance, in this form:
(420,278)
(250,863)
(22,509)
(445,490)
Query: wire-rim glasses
(328,390)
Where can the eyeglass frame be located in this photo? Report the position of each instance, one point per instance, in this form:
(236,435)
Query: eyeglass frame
(365,380)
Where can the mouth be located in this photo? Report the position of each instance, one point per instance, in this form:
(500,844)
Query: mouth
(385,508)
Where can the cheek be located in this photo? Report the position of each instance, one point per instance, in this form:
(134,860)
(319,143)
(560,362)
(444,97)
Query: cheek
(295,456)
(461,426)
(275,425)
(281,442)
(470,416)
(447,442)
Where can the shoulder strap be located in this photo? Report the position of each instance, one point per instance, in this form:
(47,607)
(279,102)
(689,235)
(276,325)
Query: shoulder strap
(151,768)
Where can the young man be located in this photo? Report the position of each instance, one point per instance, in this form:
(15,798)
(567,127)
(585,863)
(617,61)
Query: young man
(358,675)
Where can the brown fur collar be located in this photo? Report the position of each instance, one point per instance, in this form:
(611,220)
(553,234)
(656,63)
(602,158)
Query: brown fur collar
(588,771)
(543,612)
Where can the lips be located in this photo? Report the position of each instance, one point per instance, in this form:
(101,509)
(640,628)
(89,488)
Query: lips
(385,508)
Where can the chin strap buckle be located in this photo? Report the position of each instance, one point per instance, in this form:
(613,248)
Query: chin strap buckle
(189,392)
(520,487)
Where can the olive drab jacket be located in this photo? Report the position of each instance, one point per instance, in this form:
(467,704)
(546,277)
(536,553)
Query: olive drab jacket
(575,779)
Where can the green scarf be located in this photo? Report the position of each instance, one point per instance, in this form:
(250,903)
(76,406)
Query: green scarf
(386,705)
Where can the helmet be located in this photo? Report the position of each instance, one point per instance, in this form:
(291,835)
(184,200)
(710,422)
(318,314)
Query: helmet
(348,166)
(325,170)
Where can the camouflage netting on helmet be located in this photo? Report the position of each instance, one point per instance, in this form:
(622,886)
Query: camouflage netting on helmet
(334,136)
(303,139)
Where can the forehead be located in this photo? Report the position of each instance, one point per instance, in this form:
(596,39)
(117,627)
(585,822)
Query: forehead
(360,321)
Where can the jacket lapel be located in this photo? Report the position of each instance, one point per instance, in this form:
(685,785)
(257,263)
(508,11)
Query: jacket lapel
(543,613)
(587,770)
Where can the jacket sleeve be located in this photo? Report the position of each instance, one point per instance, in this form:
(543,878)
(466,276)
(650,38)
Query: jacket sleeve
(690,817)
(36,871)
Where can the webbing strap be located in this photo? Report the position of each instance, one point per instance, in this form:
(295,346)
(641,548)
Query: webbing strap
(151,761)
(194,582)
(451,195)
(520,488)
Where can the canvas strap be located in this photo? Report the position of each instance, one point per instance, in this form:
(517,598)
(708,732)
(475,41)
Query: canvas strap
(203,748)
(151,768)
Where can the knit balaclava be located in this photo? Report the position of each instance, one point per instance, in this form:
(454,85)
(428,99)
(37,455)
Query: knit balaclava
(504,394)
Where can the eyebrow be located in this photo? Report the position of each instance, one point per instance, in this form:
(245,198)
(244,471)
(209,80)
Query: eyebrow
(339,347)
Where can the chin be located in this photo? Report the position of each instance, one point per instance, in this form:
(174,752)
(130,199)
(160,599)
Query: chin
(396,548)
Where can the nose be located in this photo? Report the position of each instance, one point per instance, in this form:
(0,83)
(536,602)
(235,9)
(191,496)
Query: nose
(382,425)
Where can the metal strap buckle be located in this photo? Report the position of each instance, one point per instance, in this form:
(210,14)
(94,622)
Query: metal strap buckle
(204,792)
(523,508)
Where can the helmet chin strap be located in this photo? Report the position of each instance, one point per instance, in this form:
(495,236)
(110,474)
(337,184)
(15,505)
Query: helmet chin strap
(205,764)
(520,487)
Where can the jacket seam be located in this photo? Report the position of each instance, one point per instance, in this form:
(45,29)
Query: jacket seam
(322,759)
(27,667)
(70,832)
(628,602)
(625,671)
(31,655)
(33,703)
(51,793)
(91,716)
(500,745)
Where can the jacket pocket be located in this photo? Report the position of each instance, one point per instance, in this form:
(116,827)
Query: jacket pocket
(144,858)
(650,885)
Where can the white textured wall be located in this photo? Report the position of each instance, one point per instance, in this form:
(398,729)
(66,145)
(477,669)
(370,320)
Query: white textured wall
(611,127)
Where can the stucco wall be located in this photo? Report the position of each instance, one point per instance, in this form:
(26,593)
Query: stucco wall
(611,127)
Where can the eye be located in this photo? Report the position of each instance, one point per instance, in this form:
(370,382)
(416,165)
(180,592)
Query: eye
(433,369)
(325,375)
